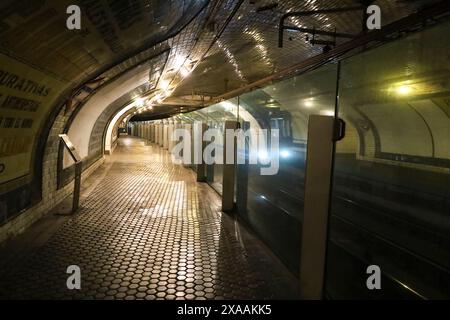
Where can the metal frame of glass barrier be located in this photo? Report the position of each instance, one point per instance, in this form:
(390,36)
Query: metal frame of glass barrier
(265,202)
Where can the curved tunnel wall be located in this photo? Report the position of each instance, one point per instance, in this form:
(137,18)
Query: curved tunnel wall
(118,107)
(86,127)
(43,65)
(83,124)
(27,97)
(94,137)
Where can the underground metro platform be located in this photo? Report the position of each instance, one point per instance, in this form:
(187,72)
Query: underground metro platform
(114,174)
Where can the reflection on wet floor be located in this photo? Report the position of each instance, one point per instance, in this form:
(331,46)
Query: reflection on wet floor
(146,230)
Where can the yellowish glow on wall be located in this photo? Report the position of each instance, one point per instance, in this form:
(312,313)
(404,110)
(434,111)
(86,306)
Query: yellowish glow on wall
(327,113)
(139,102)
(308,103)
(404,90)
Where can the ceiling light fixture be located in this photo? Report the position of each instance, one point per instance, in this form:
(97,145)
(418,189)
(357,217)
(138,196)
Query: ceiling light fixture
(139,102)
(404,90)
(184,71)
(164,84)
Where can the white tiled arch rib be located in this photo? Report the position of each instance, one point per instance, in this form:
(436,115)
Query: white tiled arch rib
(83,124)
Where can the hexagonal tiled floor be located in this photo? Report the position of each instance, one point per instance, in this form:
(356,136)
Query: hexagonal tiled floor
(146,230)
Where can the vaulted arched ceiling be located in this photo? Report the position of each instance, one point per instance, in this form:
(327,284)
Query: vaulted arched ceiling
(182,52)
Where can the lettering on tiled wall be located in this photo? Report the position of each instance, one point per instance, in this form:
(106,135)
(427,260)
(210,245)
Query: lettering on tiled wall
(26,95)
(10,146)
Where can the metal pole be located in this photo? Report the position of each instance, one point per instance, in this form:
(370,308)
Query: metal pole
(229,169)
(77,186)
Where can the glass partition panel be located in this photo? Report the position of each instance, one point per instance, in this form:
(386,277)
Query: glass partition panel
(391,188)
(273,204)
(190,118)
(217,115)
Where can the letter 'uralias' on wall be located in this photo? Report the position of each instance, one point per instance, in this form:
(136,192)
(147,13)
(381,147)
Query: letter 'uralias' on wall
(26,96)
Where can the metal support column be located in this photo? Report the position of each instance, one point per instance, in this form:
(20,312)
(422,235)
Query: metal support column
(319,159)
(229,170)
(77,186)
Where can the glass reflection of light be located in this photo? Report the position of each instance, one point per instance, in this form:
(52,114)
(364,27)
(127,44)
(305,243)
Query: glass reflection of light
(327,113)
(139,102)
(261,47)
(263,156)
(285,154)
(229,106)
(309,103)
(164,84)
